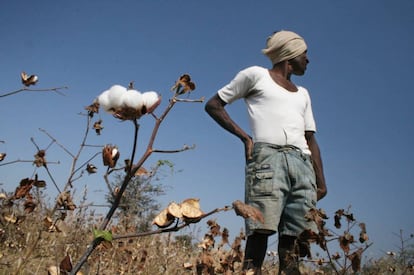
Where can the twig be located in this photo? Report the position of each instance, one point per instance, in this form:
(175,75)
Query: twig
(175,228)
(55,141)
(56,90)
(185,148)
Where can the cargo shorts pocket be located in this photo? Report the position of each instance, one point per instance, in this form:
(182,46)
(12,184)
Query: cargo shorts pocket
(262,182)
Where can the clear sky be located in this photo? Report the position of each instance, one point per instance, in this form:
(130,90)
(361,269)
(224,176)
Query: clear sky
(360,62)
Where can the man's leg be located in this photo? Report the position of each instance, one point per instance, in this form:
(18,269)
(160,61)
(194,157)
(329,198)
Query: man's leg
(288,256)
(255,252)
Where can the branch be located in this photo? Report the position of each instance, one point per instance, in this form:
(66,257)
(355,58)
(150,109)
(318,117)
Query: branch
(175,228)
(56,90)
(189,100)
(185,148)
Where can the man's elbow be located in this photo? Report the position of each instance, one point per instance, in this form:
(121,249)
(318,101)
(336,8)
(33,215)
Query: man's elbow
(322,192)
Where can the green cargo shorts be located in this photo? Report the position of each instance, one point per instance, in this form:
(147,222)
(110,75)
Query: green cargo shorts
(280,182)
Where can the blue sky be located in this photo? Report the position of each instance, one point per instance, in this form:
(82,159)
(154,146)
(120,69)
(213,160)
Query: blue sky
(360,62)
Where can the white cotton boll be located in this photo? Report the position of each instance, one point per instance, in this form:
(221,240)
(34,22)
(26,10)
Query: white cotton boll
(132,99)
(115,95)
(150,99)
(103,100)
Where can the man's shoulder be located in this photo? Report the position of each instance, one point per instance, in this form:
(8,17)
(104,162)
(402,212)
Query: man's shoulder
(255,70)
(254,73)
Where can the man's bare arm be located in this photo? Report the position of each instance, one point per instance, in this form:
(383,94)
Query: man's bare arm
(215,108)
(317,164)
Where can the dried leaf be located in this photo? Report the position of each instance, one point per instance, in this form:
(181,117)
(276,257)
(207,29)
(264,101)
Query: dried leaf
(318,216)
(214,227)
(66,264)
(337,219)
(53,270)
(91,169)
(363,236)
(2,156)
(207,242)
(93,108)
(97,125)
(142,172)
(183,84)
(345,240)
(23,189)
(225,236)
(39,183)
(40,159)
(28,80)
(247,211)
(356,260)
(110,155)
(29,205)
(65,200)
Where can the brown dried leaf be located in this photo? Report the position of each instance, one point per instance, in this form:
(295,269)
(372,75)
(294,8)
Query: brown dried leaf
(207,242)
(247,211)
(142,172)
(214,227)
(345,240)
(91,169)
(337,220)
(93,108)
(40,159)
(356,260)
(225,236)
(66,264)
(28,80)
(23,189)
(39,183)
(110,155)
(185,83)
(65,200)
(29,205)
(97,126)
(363,236)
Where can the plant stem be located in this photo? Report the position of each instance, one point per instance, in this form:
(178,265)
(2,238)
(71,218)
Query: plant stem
(125,183)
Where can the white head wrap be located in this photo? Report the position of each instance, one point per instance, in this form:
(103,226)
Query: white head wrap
(284,45)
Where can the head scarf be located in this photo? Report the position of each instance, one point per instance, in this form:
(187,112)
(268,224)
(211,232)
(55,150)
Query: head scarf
(284,45)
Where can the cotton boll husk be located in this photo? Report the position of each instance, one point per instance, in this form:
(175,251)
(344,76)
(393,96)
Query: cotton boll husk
(151,100)
(103,100)
(133,99)
(115,95)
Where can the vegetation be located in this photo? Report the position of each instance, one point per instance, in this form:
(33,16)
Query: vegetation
(64,237)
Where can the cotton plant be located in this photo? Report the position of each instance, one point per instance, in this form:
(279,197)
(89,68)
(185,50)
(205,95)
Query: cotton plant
(128,104)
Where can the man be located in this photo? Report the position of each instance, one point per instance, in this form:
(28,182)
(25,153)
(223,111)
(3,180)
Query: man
(284,173)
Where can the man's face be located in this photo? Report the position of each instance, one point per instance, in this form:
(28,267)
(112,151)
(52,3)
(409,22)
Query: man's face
(298,64)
